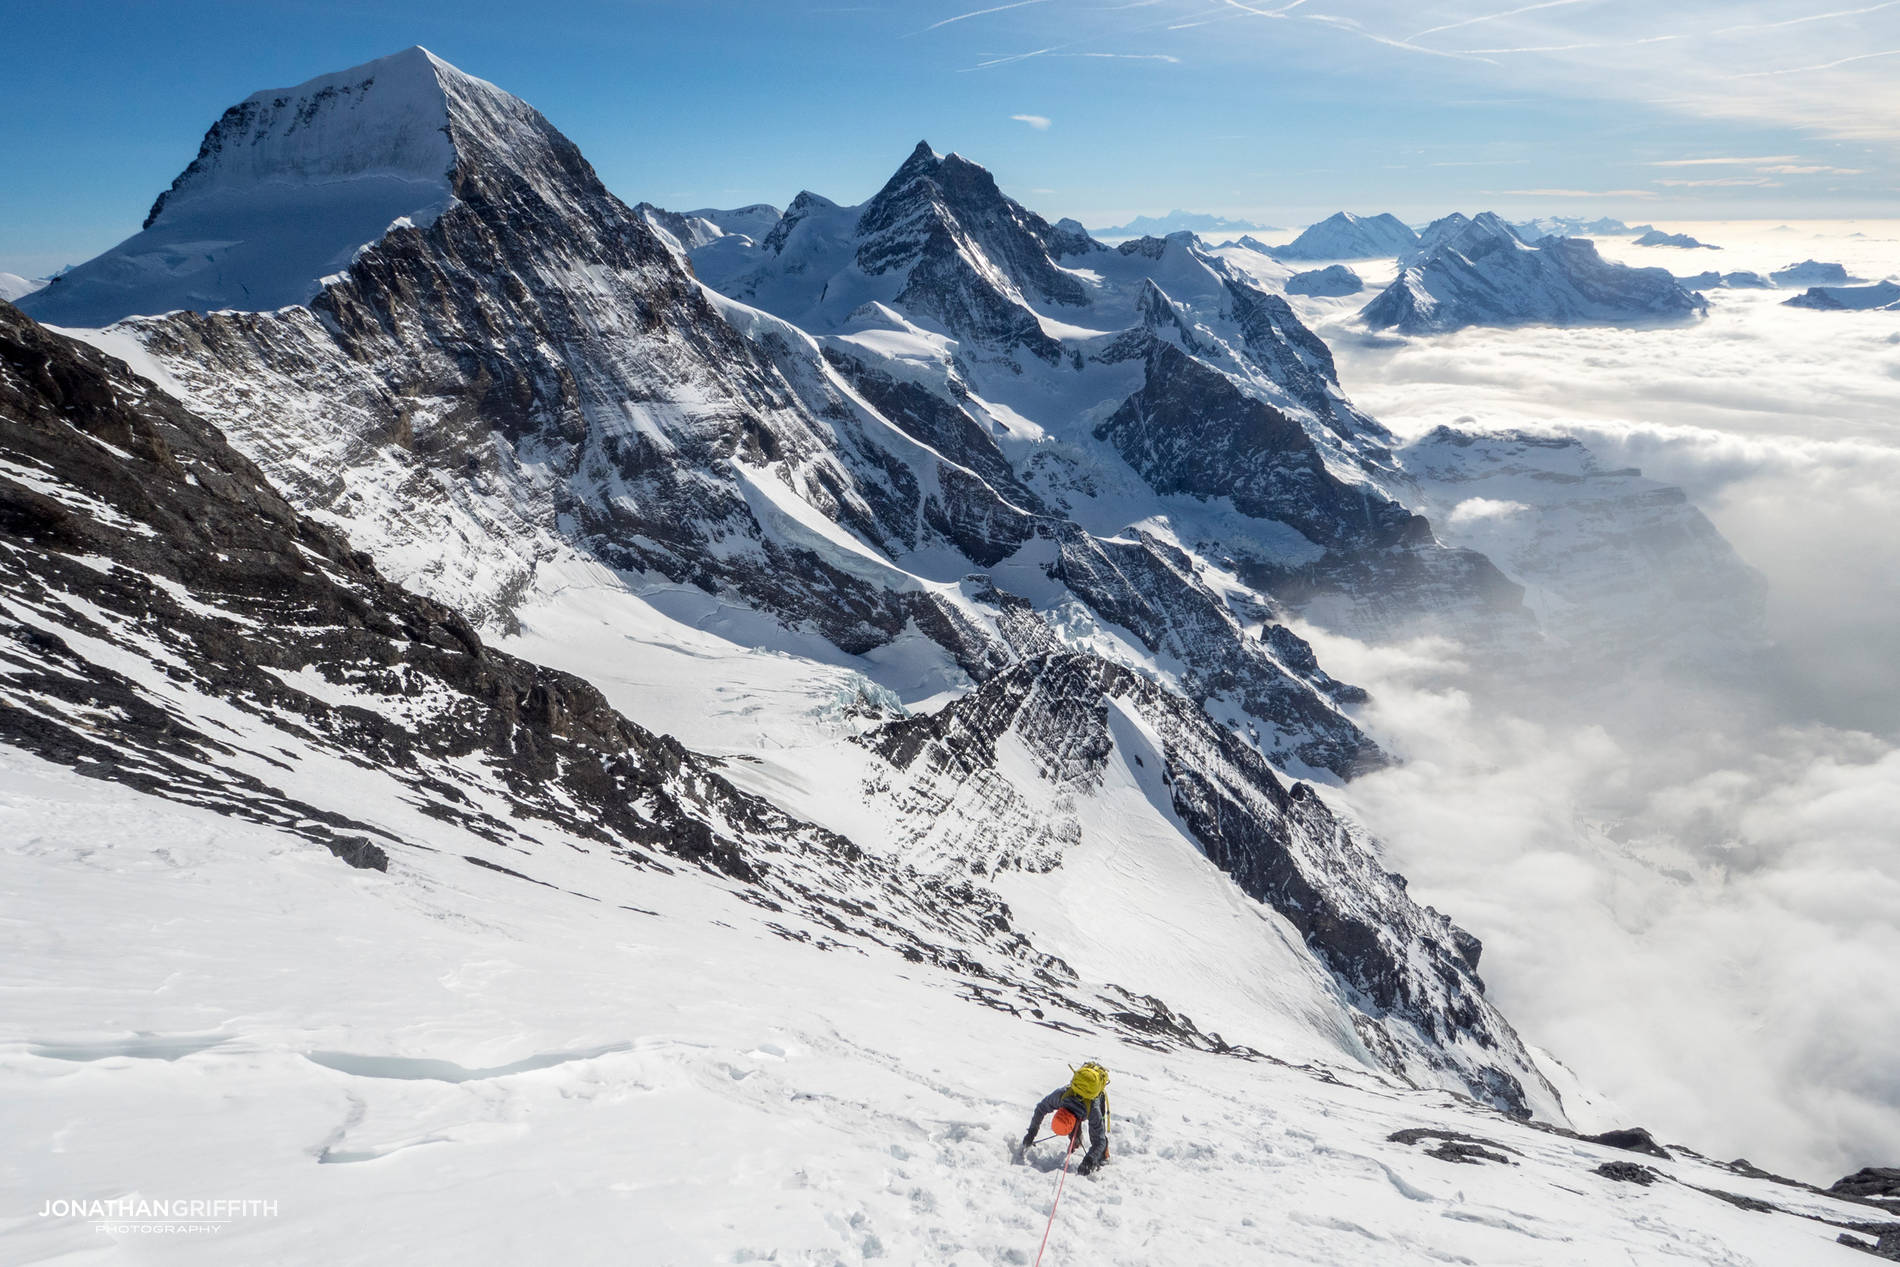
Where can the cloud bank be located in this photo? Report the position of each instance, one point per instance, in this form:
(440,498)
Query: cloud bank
(1687,874)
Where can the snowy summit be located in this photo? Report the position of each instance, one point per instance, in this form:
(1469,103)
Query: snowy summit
(291,183)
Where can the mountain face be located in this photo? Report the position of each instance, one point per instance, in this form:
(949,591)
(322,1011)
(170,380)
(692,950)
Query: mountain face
(1345,236)
(1849,298)
(1332,282)
(536,379)
(1028,347)
(1812,273)
(175,626)
(1081,721)
(1481,273)
(1656,237)
(1437,233)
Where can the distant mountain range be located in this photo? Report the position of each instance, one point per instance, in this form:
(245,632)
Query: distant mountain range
(1478,271)
(1571,226)
(1179,222)
(1345,236)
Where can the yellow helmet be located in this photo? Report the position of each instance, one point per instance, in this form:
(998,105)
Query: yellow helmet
(1089,1080)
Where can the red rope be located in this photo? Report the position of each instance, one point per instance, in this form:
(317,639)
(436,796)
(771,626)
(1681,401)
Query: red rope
(1058,1201)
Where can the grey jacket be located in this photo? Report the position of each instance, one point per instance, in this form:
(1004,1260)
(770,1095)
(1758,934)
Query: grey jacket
(1096,1114)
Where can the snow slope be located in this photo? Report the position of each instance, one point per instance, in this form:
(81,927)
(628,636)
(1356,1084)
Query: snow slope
(14,287)
(537,1076)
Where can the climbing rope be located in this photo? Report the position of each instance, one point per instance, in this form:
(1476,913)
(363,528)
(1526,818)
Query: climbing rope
(1058,1201)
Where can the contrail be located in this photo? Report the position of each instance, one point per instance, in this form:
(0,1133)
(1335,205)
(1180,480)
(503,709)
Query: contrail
(1812,17)
(977,13)
(1798,70)
(1489,17)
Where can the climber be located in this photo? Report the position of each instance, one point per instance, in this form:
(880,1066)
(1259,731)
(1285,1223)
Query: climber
(1084,1099)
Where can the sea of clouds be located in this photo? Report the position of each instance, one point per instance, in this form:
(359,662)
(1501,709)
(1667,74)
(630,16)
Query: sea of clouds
(1687,876)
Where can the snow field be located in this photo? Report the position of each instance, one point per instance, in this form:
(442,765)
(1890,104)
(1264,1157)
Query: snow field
(447,1064)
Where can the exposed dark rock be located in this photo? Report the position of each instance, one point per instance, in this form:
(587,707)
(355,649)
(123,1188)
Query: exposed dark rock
(1887,1247)
(1754,1205)
(1627,1172)
(1190,430)
(1869,1181)
(1656,237)
(1455,1146)
(1633,1139)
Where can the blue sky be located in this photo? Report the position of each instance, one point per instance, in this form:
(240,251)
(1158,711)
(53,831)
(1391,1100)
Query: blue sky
(1275,110)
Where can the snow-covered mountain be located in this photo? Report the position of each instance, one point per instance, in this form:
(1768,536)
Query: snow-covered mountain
(1478,272)
(1345,236)
(1741,280)
(1656,237)
(1574,227)
(693,229)
(1812,273)
(286,188)
(530,387)
(1439,232)
(13,286)
(570,393)
(1178,221)
(958,546)
(1332,282)
(1849,298)
(135,537)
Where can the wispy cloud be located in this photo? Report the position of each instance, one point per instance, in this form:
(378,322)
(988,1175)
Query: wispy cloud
(1819,66)
(1815,169)
(1723,161)
(1010,58)
(1492,17)
(1573,47)
(1036,121)
(977,13)
(1719,182)
(1126,57)
(1359,29)
(1802,21)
